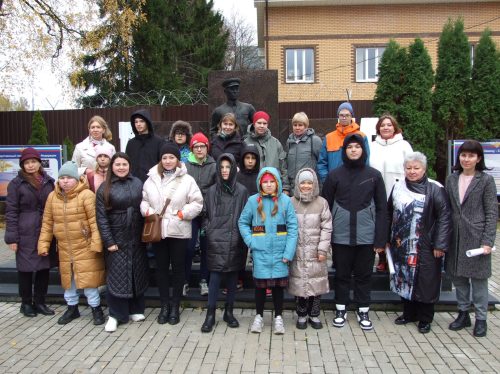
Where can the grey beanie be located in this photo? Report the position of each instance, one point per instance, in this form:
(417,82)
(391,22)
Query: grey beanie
(306,175)
(347,106)
(69,169)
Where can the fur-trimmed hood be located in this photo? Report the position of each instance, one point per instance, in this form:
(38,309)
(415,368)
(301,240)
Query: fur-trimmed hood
(184,126)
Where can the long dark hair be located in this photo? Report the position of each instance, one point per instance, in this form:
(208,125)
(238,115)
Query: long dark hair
(472,146)
(110,174)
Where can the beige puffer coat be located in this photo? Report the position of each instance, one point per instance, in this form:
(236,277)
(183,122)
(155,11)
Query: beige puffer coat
(308,276)
(71,219)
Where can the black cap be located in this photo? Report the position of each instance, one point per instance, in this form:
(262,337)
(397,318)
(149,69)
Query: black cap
(229,82)
(171,148)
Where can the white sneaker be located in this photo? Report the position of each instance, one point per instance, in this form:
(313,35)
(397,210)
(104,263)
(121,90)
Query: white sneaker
(203,287)
(279,327)
(340,316)
(364,319)
(185,289)
(111,325)
(137,317)
(257,325)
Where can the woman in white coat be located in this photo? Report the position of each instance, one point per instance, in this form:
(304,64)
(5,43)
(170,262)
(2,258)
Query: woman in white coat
(387,154)
(170,180)
(99,134)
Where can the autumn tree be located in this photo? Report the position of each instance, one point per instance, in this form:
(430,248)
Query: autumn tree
(7,104)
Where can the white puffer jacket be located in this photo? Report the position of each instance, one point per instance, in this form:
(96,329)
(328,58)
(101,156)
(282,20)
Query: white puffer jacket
(84,154)
(387,156)
(184,194)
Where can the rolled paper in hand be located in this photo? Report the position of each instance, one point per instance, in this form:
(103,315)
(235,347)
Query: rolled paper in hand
(477,251)
(389,260)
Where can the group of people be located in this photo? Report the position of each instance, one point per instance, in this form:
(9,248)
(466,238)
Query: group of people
(286,207)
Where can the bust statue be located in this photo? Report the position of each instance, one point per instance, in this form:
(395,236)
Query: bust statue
(242,111)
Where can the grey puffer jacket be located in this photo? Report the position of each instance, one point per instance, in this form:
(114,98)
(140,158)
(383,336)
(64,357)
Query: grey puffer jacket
(271,153)
(302,153)
(308,276)
(127,268)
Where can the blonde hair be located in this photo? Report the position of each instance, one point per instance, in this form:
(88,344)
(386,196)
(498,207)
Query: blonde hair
(301,117)
(231,117)
(260,208)
(161,169)
(107,132)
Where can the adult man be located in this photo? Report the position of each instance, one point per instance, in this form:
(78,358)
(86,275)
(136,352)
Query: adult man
(330,156)
(243,111)
(145,148)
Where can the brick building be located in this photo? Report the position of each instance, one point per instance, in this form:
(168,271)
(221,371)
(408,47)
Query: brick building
(321,48)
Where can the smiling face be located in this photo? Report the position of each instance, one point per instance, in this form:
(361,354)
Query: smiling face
(353,151)
(31,165)
(96,131)
(468,161)
(306,186)
(414,171)
(169,161)
(228,127)
(387,129)
(121,167)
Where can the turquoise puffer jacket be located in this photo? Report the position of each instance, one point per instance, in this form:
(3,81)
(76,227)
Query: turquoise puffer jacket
(273,239)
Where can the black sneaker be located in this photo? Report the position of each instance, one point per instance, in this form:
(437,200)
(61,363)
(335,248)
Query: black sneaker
(339,320)
(364,320)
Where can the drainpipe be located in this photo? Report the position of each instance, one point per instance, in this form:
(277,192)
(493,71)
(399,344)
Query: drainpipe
(266,36)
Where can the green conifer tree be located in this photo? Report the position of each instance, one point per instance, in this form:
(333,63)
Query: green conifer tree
(70,147)
(451,89)
(483,102)
(39,134)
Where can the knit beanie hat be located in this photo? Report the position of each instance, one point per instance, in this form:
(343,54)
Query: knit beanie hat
(306,175)
(103,150)
(347,106)
(170,148)
(199,137)
(69,169)
(28,153)
(260,115)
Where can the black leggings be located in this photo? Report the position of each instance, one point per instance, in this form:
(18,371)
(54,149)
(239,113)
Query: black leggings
(260,300)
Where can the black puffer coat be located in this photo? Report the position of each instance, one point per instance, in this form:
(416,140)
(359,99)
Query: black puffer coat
(224,203)
(231,144)
(127,268)
(23,215)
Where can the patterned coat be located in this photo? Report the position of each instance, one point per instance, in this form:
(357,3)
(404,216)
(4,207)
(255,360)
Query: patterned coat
(71,219)
(474,225)
(308,276)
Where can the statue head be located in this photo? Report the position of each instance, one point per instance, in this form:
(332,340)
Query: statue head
(232,88)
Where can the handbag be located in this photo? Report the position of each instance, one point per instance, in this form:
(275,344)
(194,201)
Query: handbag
(151,232)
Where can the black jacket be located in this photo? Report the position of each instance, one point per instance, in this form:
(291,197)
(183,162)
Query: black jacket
(127,268)
(248,178)
(144,150)
(230,144)
(224,203)
(356,195)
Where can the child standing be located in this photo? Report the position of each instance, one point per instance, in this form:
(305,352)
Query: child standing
(103,158)
(249,168)
(226,253)
(181,134)
(308,270)
(70,216)
(268,225)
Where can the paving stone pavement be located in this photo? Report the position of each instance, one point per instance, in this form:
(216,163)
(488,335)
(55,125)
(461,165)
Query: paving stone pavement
(40,345)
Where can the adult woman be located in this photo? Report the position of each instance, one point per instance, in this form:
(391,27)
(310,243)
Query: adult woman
(169,184)
(227,139)
(120,223)
(303,147)
(474,211)
(26,197)
(387,151)
(421,226)
(99,134)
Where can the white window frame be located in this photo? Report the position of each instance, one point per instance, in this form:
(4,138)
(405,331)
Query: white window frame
(364,63)
(299,77)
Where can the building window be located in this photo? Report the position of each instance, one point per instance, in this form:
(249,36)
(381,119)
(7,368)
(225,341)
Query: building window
(367,60)
(300,65)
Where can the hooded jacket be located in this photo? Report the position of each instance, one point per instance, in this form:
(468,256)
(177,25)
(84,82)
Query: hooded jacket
(187,128)
(248,177)
(70,217)
(145,149)
(273,239)
(302,153)
(271,153)
(330,156)
(224,203)
(308,276)
(356,195)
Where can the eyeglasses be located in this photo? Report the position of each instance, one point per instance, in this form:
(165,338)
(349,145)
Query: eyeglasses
(344,115)
(201,146)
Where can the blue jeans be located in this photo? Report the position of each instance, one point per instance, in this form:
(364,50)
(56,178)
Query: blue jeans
(213,287)
(195,228)
(71,295)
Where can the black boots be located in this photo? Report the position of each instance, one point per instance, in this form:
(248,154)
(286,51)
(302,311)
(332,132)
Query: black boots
(69,315)
(44,309)
(163,316)
(462,321)
(480,328)
(229,317)
(209,320)
(173,315)
(98,315)
(27,310)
